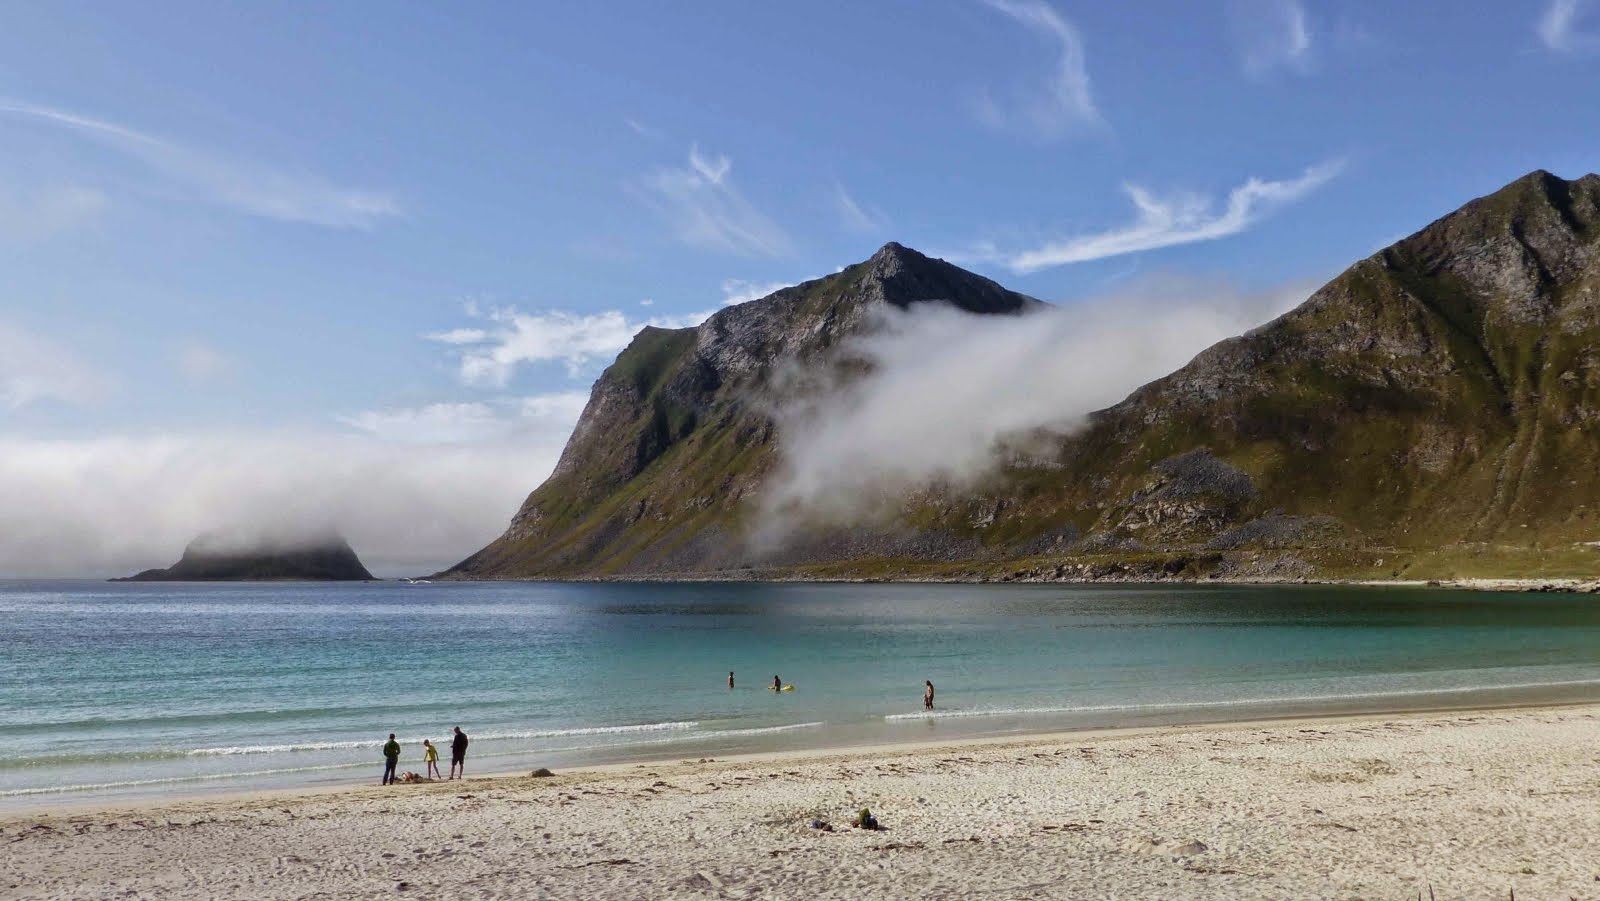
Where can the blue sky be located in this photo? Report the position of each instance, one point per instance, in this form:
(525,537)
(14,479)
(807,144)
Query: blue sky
(432,227)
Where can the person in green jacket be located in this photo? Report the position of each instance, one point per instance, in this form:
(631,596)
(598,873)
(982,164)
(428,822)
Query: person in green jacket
(391,756)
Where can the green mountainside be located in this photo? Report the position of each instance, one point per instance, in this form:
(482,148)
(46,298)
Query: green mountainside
(1433,411)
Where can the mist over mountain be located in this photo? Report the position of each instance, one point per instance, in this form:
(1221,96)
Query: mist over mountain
(1430,410)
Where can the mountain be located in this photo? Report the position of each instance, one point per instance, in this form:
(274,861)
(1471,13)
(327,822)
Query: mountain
(676,438)
(1432,411)
(212,558)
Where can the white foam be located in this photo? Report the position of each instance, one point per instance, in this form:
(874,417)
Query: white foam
(170,780)
(487,736)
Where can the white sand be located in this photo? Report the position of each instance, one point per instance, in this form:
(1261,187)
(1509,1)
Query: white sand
(1376,807)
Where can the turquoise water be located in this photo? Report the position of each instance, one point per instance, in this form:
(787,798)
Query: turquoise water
(113,690)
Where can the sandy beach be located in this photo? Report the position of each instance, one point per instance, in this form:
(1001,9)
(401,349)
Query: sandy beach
(1472,804)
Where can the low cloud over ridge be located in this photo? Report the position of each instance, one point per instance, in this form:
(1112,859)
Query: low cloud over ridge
(948,392)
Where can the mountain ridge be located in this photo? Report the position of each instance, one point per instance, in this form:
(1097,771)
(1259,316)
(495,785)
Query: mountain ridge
(1418,409)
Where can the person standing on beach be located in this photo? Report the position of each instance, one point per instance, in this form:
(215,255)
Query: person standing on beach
(458,753)
(730,678)
(391,756)
(927,695)
(430,756)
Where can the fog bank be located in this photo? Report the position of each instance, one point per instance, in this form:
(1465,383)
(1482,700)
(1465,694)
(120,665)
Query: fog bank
(946,393)
(115,505)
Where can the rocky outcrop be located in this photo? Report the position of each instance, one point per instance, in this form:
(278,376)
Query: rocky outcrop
(215,559)
(1443,393)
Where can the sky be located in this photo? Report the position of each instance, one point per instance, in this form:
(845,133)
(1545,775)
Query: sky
(365,259)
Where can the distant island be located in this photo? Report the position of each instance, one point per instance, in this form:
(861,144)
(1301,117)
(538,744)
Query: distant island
(213,558)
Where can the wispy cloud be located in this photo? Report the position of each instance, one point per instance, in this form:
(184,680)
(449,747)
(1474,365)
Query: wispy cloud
(1558,27)
(856,217)
(643,130)
(1271,34)
(201,363)
(738,290)
(472,421)
(35,369)
(44,212)
(1169,221)
(1065,101)
(491,355)
(705,209)
(243,185)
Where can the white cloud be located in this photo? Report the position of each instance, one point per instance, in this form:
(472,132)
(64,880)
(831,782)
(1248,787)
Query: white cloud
(114,505)
(1271,34)
(1065,102)
(1558,27)
(857,218)
(737,290)
(242,185)
(491,356)
(474,421)
(461,335)
(643,130)
(712,169)
(924,408)
(200,362)
(705,209)
(35,369)
(1167,222)
(45,212)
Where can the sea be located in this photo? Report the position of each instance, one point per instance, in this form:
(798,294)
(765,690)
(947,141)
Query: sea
(114,692)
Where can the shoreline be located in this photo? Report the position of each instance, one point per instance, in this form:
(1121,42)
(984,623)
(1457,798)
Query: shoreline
(489,780)
(1469,803)
(1553,584)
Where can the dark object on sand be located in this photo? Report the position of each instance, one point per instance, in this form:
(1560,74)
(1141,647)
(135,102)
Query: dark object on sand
(822,825)
(541,773)
(865,820)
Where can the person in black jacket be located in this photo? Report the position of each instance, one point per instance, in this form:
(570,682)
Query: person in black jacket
(458,753)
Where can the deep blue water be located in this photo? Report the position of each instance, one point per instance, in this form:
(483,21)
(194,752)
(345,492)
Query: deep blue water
(117,689)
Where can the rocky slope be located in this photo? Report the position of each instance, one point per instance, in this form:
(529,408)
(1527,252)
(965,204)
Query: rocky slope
(210,559)
(1432,411)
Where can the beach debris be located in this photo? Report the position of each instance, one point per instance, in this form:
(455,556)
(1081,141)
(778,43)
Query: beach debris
(821,825)
(541,773)
(865,820)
